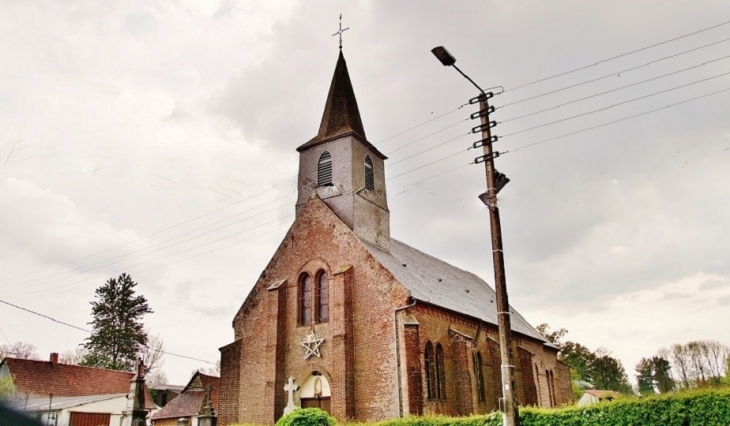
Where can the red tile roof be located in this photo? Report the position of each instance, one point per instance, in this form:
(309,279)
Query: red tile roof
(186,405)
(41,378)
(191,399)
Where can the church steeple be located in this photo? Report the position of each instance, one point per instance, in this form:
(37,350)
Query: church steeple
(341,114)
(343,168)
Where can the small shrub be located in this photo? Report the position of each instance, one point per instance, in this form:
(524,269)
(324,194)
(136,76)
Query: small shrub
(306,417)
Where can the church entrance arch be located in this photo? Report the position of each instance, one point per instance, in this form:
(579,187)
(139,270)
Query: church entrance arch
(315,392)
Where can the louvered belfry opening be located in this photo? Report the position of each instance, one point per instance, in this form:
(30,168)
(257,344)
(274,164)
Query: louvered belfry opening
(324,169)
(369,177)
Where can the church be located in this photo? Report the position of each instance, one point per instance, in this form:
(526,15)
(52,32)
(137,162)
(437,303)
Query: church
(366,327)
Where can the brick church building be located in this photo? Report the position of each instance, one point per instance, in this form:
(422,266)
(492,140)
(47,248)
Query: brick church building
(350,320)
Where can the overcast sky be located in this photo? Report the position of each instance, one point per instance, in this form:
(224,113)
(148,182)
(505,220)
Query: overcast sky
(158,138)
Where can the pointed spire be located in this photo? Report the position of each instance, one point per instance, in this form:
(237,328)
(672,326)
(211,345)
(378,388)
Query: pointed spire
(341,114)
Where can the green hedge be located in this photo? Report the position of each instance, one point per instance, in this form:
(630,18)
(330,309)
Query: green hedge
(694,408)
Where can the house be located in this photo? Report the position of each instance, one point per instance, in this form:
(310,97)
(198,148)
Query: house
(189,403)
(346,318)
(593,396)
(163,394)
(67,395)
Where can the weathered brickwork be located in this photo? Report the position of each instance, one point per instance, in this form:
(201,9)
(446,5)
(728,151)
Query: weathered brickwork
(359,346)
(364,211)
(359,357)
(372,355)
(229,395)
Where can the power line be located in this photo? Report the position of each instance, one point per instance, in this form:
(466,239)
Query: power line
(425,165)
(614,73)
(419,125)
(619,56)
(614,90)
(144,237)
(175,261)
(128,256)
(44,316)
(429,149)
(614,122)
(163,257)
(89,331)
(428,135)
(616,104)
(434,176)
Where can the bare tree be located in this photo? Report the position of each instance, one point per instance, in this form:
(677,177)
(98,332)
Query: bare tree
(73,356)
(698,363)
(152,354)
(19,350)
(681,364)
(212,371)
(717,358)
(155,378)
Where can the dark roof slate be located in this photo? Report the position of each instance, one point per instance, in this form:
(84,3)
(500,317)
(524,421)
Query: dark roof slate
(438,283)
(341,115)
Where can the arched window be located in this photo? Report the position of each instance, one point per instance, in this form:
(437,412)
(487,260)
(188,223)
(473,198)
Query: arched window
(324,169)
(431,378)
(550,388)
(323,298)
(369,177)
(305,299)
(440,373)
(479,377)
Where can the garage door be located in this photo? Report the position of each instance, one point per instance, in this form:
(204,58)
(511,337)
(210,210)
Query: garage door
(90,419)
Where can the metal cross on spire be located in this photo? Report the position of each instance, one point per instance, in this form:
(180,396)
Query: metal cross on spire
(340,31)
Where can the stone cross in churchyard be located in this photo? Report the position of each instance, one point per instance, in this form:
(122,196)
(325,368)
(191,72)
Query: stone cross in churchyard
(290,388)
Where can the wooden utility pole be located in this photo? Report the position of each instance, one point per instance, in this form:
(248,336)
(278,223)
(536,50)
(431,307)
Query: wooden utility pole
(511,417)
(495,182)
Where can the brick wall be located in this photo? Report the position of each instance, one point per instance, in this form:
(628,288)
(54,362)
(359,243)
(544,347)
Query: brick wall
(228,400)
(364,211)
(373,294)
(359,355)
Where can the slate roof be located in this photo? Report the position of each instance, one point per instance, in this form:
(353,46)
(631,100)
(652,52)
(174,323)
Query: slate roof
(191,399)
(436,282)
(40,378)
(341,115)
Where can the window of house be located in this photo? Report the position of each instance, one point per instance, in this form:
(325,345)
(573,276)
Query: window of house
(431,378)
(305,299)
(479,377)
(369,177)
(323,298)
(324,169)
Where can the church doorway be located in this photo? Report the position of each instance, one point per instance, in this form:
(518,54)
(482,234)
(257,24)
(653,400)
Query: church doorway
(315,392)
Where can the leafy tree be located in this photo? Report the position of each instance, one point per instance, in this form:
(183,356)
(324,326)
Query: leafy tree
(662,374)
(645,376)
(7,388)
(578,357)
(606,372)
(554,337)
(118,334)
(19,350)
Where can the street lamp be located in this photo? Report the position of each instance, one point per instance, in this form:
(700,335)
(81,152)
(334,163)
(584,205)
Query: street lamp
(495,182)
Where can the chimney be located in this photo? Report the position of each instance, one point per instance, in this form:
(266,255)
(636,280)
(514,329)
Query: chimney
(54,358)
